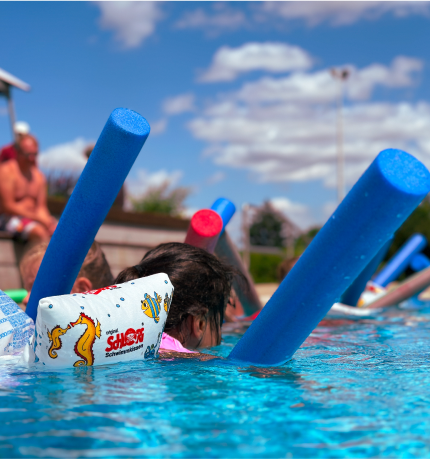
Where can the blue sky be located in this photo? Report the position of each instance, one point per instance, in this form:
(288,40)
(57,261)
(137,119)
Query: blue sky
(239,95)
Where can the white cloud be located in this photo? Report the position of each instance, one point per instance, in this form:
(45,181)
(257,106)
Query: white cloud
(328,209)
(221,17)
(67,156)
(138,186)
(397,76)
(285,129)
(287,143)
(340,13)
(228,63)
(224,18)
(158,127)
(294,211)
(132,22)
(321,87)
(189,212)
(235,229)
(179,104)
(216,178)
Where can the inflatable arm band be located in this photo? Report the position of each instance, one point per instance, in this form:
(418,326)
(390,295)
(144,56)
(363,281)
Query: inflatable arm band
(111,324)
(16,328)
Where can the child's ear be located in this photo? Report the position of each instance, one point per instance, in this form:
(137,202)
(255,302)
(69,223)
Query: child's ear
(198,326)
(82,284)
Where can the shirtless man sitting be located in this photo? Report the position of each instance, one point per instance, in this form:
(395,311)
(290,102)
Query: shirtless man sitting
(23,209)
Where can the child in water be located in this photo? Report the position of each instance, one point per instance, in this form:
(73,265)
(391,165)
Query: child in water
(202,290)
(95,271)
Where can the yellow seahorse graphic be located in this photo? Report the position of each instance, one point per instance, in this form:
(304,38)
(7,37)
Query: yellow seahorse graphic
(84,346)
(151,306)
(54,337)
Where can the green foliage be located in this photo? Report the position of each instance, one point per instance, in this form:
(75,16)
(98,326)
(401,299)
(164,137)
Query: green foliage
(418,222)
(161,200)
(267,228)
(301,243)
(264,267)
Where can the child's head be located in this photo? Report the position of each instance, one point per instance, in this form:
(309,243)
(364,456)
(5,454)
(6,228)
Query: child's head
(95,271)
(202,289)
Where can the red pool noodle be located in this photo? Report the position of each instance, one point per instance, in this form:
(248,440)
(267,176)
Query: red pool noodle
(204,230)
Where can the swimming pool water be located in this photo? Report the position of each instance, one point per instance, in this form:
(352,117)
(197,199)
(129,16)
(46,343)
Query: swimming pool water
(356,388)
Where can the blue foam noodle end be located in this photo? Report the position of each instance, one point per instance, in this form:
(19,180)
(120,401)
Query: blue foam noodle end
(111,160)
(390,189)
(400,261)
(225,209)
(353,292)
(419,262)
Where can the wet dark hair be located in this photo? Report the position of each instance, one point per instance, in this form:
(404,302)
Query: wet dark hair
(202,283)
(96,268)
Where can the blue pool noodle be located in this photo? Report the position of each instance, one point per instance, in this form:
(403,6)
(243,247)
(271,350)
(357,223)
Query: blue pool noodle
(419,262)
(111,160)
(225,209)
(353,292)
(388,191)
(400,261)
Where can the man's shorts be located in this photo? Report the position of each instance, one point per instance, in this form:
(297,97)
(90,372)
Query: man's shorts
(17,226)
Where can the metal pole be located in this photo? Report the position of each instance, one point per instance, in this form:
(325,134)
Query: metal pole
(11,110)
(245,236)
(290,246)
(340,157)
(340,75)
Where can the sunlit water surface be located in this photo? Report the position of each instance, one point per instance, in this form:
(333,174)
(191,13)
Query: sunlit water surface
(356,388)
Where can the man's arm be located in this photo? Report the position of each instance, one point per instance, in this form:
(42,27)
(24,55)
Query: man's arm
(41,204)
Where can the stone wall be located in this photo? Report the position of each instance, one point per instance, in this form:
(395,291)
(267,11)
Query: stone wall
(125,237)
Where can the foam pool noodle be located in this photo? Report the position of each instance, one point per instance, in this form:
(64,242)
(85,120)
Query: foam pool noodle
(204,230)
(385,195)
(400,261)
(226,250)
(225,209)
(353,292)
(419,262)
(16,295)
(113,156)
(413,285)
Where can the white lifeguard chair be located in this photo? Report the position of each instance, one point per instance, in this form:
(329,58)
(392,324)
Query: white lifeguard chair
(6,82)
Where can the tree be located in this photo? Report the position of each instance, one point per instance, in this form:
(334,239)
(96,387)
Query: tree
(304,240)
(162,200)
(267,228)
(418,222)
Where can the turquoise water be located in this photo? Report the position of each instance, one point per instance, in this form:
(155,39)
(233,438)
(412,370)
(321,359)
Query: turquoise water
(356,388)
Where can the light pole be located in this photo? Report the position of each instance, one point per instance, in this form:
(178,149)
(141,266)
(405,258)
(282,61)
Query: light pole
(246,257)
(341,75)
